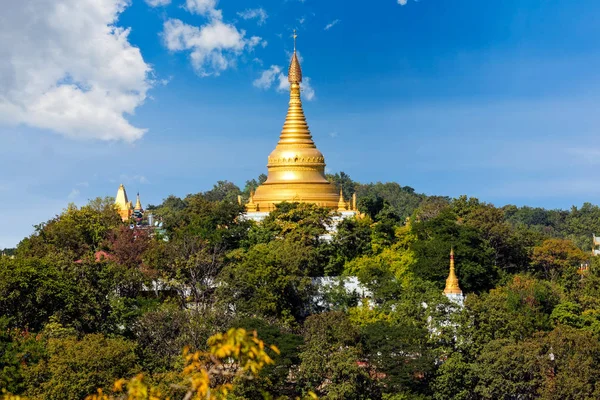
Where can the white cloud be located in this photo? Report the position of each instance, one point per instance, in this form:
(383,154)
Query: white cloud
(74,194)
(158,3)
(332,24)
(307,90)
(301,20)
(283,84)
(214,46)
(208,8)
(275,77)
(259,13)
(402,2)
(66,67)
(267,77)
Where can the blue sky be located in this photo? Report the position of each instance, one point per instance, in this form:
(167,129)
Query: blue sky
(497,100)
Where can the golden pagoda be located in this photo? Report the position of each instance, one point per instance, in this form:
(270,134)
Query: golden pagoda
(452,287)
(296,168)
(122,204)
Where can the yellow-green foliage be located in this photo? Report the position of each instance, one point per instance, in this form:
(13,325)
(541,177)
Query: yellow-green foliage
(207,374)
(365,315)
(397,259)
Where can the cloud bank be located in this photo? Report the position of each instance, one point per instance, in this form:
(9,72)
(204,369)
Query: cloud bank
(67,67)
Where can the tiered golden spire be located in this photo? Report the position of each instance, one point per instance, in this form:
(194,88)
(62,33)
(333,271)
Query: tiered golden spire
(251,207)
(296,168)
(138,203)
(342,203)
(452,281)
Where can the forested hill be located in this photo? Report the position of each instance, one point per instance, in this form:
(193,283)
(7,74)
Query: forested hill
(577,224)
(86,300)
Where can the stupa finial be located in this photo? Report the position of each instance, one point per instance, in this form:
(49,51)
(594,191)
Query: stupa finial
(295,36)
(294,72)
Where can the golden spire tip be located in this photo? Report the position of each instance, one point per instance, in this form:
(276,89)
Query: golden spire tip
(295,36)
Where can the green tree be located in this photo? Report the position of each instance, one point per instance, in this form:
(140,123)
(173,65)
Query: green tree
(556,257)
(269,280)
(399,354)
(32,290)
(562,364)
(18,350)
(402,199)
(351,240)
(430,208)
(454,379)
(73,233)
(223,191)
(508,370)
(474,257)
(170,212)
(342,181)
(252,184)
(330,358)
(581,223)
(304,222)
(510,254)
(75,368)
(272,378)
(514,311)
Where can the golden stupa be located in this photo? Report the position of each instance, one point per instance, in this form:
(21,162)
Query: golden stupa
(122,203)
(452,281)
(296,168)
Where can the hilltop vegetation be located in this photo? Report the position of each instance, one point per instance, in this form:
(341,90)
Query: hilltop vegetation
(86,300)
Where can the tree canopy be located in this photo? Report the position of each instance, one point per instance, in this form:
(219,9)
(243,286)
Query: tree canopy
(87,300)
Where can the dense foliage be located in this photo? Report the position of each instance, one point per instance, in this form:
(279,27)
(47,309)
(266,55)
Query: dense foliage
(86,301)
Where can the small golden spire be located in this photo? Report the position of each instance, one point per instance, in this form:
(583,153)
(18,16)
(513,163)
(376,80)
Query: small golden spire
(452,281)
(354,201)
(251,207)
(341,202)
(138,203)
